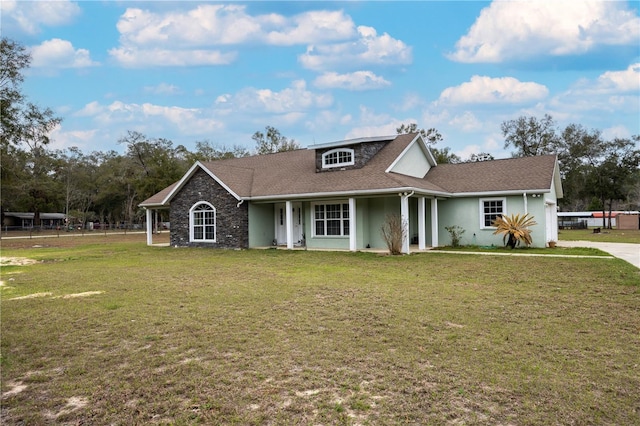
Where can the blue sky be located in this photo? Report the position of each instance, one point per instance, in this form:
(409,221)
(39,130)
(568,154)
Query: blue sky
(326,71)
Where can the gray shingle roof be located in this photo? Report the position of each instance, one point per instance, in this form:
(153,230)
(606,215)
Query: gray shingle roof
(293,174)
(513,174)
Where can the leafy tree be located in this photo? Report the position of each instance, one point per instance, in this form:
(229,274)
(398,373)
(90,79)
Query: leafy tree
(431,136)
(156,163)
(483,156)
(272,141)
(531,136)
(615,173)
(24,124)
(579,151)
(22,121)
(445,155)
(80,175)
(206,151)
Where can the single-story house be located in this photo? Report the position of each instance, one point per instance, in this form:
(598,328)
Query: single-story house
(592,219)
(25,220)
(338,195)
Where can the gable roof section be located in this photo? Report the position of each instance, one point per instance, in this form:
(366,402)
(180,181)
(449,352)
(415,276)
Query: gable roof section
(292,174)
(163,197)
(415,160)
(525,174)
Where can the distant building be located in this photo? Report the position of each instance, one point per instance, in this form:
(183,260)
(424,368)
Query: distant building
(593,219)
(25,220)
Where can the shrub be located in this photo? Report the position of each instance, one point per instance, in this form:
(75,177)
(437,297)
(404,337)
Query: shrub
(456,234)
(394,233)
(515,229)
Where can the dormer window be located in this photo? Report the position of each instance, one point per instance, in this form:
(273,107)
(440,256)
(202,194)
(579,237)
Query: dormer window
(338,157)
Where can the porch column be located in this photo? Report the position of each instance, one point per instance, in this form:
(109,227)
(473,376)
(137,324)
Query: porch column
(422,235)
(149,227)
(526,207)
(404,216)
(352,224)
(434,222)
(289,223)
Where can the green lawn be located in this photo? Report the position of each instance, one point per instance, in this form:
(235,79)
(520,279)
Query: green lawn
(605,235)
(197,336)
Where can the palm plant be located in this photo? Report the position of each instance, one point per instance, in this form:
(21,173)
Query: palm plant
(515,228)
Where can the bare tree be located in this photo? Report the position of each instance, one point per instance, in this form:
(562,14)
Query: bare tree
(394,233)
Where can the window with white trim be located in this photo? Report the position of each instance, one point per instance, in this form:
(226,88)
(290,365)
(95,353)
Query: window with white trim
(338,157)
(202,222)
(490,210)
(331,219)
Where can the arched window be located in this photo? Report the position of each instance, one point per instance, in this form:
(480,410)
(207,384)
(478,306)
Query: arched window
(202,222)
(337,158)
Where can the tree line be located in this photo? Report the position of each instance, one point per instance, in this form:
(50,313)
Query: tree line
(597,174)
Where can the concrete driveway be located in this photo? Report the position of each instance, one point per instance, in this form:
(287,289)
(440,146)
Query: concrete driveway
(624,251)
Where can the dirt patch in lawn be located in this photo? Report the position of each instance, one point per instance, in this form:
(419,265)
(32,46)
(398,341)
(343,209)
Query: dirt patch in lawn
(16,261)
(64,296)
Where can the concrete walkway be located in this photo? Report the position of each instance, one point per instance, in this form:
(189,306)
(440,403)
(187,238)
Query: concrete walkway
(625,251)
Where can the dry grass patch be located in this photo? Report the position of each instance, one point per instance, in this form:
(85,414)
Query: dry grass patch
(188,336)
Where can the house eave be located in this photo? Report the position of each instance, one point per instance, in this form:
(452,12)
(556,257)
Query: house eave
(153,205)
(342,194)
(500,193)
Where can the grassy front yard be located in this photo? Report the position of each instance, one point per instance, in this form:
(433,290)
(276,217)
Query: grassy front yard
(605,235)
(126,334)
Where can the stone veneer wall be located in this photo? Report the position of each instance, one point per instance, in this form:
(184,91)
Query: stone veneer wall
(232,222)
(363,152)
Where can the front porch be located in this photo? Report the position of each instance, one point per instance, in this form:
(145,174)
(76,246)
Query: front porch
(350,224)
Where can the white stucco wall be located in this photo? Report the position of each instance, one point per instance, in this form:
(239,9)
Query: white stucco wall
(465,212)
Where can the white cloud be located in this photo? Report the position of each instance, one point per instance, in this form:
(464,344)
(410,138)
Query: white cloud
(466,122)
(612,91)
(523,29)
(163,89)
(621,81)
(620,132)
(30,16)
(223,99)
(410,101)
(359,80)
(204,25)
(57,53)
(482,89)
(184,37)
(208,25)
(372,123)
(468,151)
(320,122)
(133,57)
(61,139)
(368,49)
(187,121)
(199,35)
(310,27)
(291,99)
